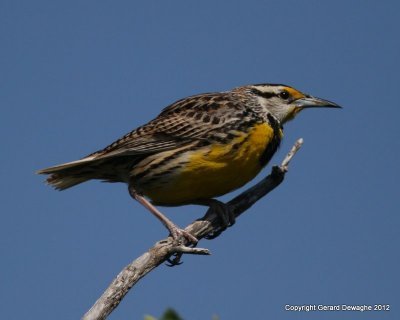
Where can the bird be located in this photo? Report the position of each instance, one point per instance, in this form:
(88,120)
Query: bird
(197,149)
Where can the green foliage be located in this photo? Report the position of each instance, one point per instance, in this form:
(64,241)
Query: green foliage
(171,314)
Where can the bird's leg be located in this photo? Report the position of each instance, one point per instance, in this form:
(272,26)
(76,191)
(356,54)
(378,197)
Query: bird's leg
(175,231)
(223,211)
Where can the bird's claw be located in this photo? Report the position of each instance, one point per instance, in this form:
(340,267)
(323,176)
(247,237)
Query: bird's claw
(174,259)
(225,213)
(179,234)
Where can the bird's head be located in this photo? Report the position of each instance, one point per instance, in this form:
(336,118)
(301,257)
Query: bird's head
(285,102)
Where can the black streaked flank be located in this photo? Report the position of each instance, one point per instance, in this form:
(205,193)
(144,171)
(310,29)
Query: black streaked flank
(153,166)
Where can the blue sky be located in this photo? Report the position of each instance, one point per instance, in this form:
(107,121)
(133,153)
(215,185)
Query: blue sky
(75,75)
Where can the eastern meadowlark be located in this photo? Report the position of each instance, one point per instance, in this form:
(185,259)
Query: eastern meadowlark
(196,149)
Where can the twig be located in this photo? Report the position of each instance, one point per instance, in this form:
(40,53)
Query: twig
(292,152)
(164,249)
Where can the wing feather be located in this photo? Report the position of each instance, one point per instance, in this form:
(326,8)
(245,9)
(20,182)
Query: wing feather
(177,125)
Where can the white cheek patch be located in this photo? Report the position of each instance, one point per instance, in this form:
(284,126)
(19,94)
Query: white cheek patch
(261,101)
(275,106)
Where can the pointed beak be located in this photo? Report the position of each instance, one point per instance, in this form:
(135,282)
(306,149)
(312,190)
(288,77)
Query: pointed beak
(313,102)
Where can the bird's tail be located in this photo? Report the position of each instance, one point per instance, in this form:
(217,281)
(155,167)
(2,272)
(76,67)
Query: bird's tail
(69,174)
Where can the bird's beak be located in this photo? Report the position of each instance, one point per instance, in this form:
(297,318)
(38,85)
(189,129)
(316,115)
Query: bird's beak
(313,102)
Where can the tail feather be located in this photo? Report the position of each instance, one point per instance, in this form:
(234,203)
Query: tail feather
(62,182)
(69,174)
(68,165)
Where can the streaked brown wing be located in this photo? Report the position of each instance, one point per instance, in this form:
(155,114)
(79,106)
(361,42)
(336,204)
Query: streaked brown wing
(179,124)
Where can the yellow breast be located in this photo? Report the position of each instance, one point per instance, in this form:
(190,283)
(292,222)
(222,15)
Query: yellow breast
(215,170)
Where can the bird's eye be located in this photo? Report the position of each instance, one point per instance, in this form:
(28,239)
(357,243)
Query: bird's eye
(284,95)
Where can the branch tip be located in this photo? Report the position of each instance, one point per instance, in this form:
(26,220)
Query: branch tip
(189,250)
(292,152)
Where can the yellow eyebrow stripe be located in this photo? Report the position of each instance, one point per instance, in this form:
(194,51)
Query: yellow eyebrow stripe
(295,94)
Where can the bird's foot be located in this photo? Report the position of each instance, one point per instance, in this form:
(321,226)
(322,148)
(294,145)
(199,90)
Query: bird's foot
(179,234)
(224,212)
(184,243)
(174,260)
(178,251)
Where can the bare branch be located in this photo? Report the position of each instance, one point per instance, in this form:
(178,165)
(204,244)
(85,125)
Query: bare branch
(164,249)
